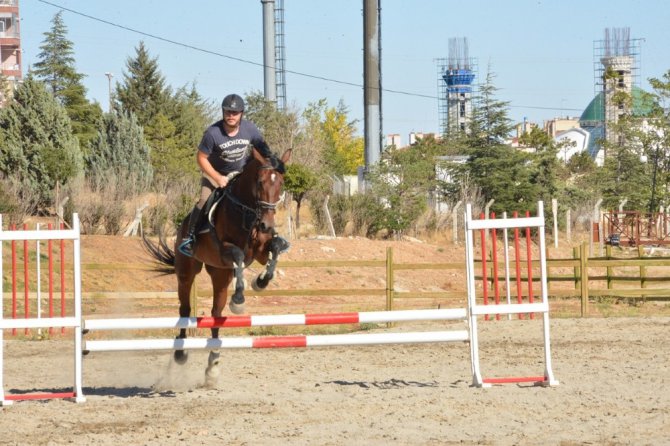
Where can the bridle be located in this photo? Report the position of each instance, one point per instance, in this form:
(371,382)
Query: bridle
(252,216)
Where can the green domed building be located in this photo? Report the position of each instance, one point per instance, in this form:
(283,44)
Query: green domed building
(593,118)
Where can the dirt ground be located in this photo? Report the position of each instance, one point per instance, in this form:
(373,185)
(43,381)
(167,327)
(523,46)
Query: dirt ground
(613,390)
(613,372)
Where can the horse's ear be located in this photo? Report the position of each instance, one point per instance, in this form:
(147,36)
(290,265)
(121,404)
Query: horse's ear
(260,158)
(286,156)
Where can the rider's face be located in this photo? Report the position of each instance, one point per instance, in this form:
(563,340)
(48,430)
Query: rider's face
(232,118)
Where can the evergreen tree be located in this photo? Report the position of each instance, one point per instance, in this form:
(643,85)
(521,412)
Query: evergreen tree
(174,134)
(499,170)
(547,171)
(490,122)
(38,148)
(120,154)
(143,91)
(56,67)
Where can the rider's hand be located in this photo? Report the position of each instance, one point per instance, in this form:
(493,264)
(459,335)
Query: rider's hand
(223,181)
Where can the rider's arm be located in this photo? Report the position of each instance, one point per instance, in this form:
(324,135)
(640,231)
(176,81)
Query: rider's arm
(209,172)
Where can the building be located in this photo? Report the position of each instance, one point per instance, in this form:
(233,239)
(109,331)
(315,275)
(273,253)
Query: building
(456,75)
(559,125)
(616,74)
(10,47)
(393,139)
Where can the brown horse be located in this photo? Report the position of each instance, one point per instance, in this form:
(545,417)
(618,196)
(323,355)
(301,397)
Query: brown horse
(242,229)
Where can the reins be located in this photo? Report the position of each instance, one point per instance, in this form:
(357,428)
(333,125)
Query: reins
(248,210)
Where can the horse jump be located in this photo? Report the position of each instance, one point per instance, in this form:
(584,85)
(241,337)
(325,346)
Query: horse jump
(276,320)
(468,315)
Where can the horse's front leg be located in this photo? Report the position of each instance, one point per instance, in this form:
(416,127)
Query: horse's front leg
(220,280)
(277,245)
(236,304)
(187,269)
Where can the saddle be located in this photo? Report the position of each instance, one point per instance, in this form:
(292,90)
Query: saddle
(217,195)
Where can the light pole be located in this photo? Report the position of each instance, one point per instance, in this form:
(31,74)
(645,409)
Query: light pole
(109,81)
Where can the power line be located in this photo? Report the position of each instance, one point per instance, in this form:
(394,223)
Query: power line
(258,64)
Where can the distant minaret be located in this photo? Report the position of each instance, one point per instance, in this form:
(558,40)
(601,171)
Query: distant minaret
(617,55)
(458,76)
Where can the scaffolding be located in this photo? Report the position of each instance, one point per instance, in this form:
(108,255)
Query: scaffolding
(616,69)
(455,87)
(280,55)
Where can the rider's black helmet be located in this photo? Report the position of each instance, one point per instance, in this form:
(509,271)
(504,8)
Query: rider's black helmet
(233,102)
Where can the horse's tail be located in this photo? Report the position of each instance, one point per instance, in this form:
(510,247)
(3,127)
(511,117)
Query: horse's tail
(160,252)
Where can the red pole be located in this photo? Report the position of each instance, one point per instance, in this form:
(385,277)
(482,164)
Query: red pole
(13,228)
(494,259)
(485,285)
(530,267)
(517,262)
(62,278)
(51,278)
(26,308)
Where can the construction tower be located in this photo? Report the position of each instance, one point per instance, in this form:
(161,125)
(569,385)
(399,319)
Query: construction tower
(456,75)
(616,69)
(10,48)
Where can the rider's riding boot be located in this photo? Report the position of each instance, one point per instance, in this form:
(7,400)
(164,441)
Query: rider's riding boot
(281,244)
(186,245)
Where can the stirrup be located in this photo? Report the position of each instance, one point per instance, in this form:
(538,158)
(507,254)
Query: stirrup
(186,247)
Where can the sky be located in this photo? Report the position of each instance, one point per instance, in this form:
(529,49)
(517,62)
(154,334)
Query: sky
(541,53)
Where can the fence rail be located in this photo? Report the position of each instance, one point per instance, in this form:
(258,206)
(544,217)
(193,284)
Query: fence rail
(590,278)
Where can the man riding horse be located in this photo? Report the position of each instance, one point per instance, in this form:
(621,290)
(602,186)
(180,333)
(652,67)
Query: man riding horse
(225,148)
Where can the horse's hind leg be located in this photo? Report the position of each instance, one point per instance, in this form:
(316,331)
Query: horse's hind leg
(185,277)
(220,280)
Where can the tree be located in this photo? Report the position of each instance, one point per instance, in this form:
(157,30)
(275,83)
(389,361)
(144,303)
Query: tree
(490,123)
(344,151)
(299,180)
(39,148)
(280,128)
(143,91)
(56,67)
(547,170)
(56,60)
(503,173)
(401,182)
(659,153)
(190,114)
(636,164)
(120,155)
(500,171)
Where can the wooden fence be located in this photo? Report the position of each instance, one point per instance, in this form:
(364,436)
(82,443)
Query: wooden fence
(579,277)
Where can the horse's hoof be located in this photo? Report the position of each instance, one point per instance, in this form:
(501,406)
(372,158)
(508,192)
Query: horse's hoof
(180,357)
(213,371)
(259,284)
(236,308)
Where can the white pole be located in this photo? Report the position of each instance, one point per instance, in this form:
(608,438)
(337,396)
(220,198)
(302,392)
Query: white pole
(2,342)
(454,222)
(507,287)
(554,212)
(39,286)
(78,340)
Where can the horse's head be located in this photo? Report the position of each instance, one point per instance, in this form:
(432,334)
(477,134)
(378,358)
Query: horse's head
(269,185)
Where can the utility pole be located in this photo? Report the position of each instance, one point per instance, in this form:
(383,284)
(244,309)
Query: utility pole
(109,81)
(372,85)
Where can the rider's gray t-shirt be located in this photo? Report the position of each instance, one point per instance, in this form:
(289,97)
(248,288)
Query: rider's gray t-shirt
(230,153)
